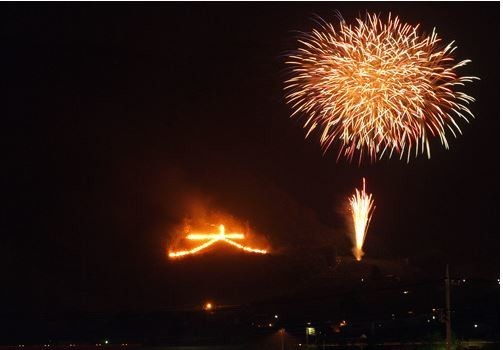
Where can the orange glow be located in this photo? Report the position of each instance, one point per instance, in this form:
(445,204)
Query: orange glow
(213,238)
(208,306)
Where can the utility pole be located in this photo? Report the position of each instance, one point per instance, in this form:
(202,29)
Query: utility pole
(447,309)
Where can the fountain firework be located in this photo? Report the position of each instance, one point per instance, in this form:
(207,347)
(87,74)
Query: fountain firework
(362,207)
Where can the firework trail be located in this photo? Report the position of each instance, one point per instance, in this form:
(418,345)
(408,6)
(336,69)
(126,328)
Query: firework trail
(377,87)
(361,206)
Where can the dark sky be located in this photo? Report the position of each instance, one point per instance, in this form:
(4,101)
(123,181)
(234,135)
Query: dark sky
(116,115)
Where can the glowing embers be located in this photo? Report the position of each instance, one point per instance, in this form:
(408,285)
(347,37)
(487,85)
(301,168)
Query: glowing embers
(212,238)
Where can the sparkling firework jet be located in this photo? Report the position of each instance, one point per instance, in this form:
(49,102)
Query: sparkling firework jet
(377,87)
(212,239)
(361,206)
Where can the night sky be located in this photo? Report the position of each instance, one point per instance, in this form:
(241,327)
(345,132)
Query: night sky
(118,118)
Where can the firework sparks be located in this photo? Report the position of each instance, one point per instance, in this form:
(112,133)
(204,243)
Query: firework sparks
(377,87)
(361,206)
(212,239)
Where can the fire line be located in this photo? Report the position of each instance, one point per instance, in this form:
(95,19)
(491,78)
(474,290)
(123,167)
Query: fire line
(213,238)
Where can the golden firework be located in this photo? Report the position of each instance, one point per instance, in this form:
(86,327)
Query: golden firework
(362,206)
(377,87)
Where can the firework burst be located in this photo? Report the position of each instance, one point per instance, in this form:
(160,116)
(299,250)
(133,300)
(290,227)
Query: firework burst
(377,87)
(362,206)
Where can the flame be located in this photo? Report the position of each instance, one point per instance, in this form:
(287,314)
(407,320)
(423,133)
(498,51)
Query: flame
(362,207)
(213,238)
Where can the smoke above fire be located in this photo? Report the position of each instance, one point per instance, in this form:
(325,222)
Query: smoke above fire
(248,203)
(212,226)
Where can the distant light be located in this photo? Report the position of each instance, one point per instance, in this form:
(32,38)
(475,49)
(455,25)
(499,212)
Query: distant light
(475,325)
(362,279)
(433,317)
(428,321)
(464,280)
(300,344)
(275,316)
(309,323)
(270,324)
(405,292)
(208,306)
(433,310)
(106,341)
